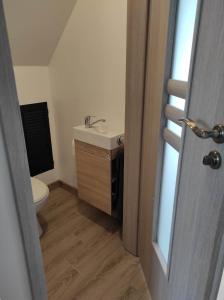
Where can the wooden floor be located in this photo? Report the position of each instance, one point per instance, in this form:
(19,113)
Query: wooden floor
(83,254)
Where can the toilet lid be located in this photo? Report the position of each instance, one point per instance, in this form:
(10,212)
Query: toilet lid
(39,189)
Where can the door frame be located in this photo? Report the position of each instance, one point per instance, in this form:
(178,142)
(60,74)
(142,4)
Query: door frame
(137,32)
(155,98)
(138,46)
(11,125)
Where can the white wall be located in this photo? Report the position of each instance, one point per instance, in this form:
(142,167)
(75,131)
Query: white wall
(33,85)
(87,72)
(221,290)
(14,283)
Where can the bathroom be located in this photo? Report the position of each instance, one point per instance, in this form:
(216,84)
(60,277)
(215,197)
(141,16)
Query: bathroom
(111,149)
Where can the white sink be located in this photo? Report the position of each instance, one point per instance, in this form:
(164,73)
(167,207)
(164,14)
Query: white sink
(98,136)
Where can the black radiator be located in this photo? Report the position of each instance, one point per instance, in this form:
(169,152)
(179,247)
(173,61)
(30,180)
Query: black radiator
(37,137)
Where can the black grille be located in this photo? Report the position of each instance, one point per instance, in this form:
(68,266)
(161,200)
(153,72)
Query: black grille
(37,136)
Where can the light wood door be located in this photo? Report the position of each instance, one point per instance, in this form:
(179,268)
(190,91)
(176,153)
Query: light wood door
(193,268)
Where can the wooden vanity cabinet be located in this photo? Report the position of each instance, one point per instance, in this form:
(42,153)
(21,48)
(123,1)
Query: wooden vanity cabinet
(94,175)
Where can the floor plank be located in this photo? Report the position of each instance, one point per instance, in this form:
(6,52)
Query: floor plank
(83,254)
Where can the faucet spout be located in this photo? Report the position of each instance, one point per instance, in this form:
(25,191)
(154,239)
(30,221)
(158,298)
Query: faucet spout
(89,124)
(100,120)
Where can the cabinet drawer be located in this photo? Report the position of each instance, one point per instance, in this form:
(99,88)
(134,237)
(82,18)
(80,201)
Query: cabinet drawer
(93,150)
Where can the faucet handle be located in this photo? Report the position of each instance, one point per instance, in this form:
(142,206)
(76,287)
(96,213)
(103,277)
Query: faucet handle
(89,117)
(87,120)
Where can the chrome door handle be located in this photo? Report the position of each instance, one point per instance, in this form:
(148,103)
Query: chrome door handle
(217,133)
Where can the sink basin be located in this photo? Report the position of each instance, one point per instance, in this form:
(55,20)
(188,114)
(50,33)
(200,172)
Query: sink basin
(98,136)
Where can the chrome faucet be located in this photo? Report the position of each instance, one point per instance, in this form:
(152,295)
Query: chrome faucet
(88,123)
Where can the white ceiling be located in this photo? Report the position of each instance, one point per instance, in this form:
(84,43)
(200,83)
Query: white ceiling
(35,27)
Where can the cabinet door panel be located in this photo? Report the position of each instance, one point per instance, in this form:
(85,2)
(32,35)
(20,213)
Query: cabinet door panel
(94,179)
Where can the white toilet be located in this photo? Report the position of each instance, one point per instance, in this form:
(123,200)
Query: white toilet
(40,196)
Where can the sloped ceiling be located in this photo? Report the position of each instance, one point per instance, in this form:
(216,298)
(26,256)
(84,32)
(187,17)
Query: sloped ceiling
(35,27)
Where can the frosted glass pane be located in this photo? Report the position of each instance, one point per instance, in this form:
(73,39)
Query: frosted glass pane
(174,128)
(177,102)
(169,177)
(183,38)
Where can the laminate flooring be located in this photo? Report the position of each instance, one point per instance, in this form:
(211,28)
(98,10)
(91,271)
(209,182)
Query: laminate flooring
(83,254)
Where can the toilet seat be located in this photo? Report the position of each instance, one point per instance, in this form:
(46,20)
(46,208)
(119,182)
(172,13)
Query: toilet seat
(40,192)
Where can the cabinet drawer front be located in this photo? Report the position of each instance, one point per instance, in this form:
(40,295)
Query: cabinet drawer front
(94,179)
(93,150)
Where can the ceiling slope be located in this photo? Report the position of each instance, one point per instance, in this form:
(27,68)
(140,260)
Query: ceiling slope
(35,27)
